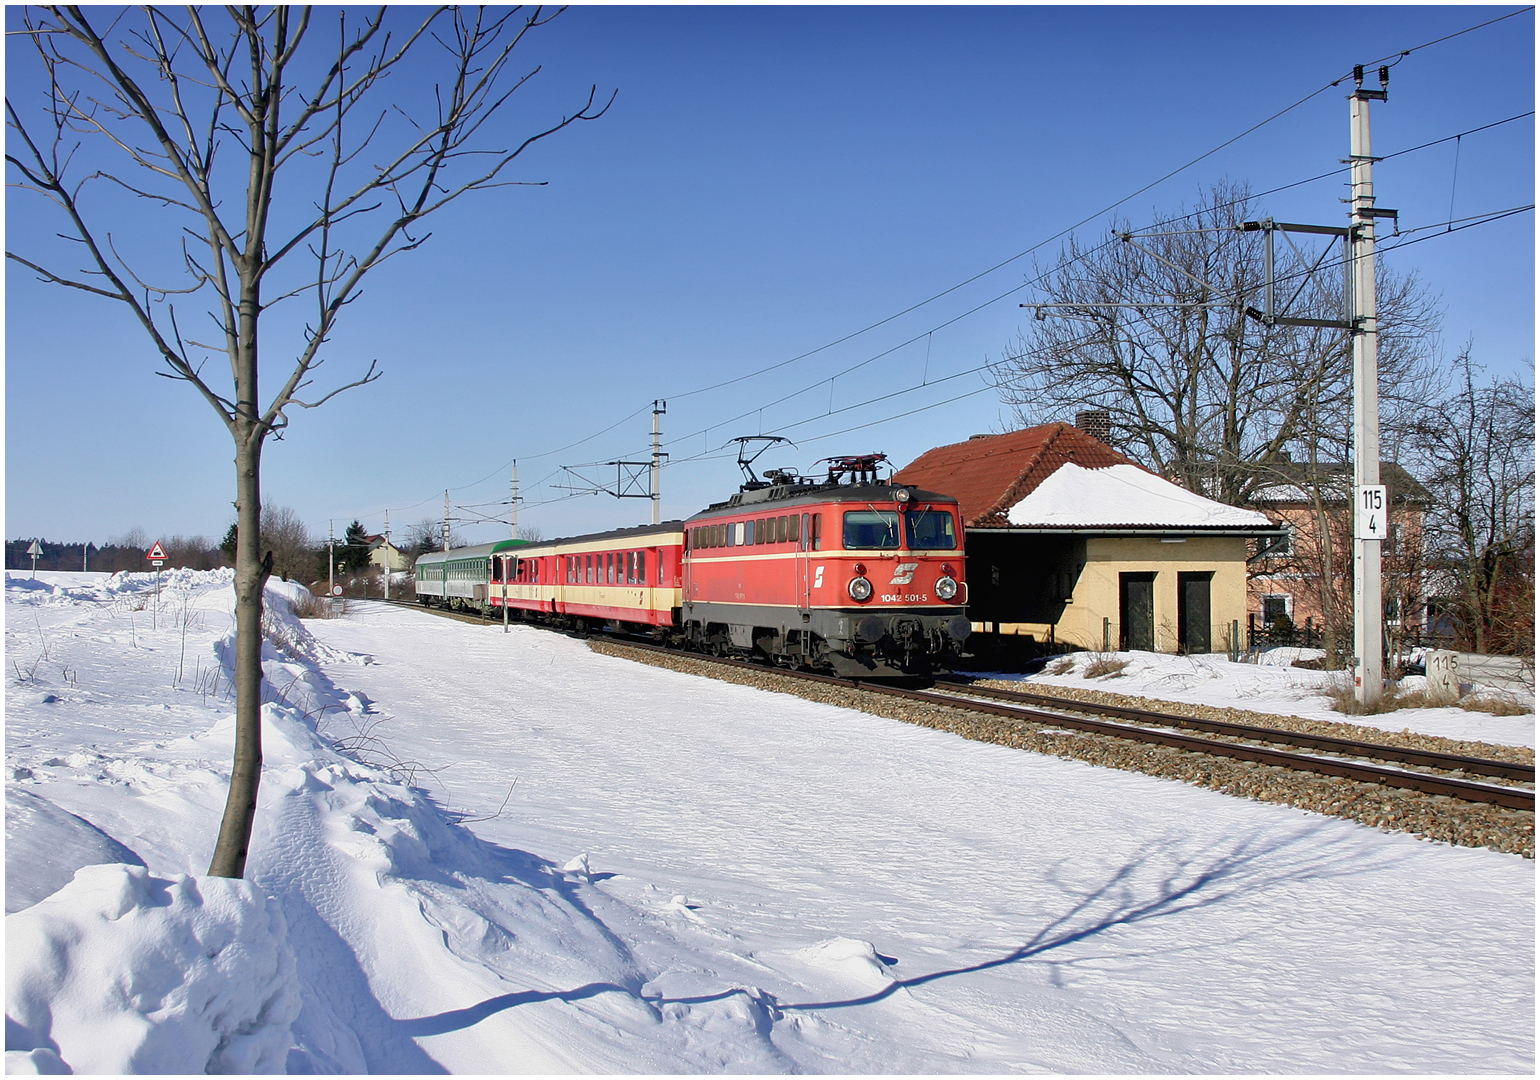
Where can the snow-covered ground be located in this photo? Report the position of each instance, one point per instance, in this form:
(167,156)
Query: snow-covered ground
(1274,686)
(609,867)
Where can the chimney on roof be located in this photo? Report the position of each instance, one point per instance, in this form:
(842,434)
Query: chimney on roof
(1096,423)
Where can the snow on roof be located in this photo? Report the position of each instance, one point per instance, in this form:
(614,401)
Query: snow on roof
(989,473)
(1121,495)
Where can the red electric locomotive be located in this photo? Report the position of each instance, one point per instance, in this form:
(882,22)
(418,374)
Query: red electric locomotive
(849,574)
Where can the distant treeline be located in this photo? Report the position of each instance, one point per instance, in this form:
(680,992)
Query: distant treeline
(194,552)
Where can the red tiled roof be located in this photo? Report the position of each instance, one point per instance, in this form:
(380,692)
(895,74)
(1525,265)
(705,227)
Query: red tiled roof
(988,475)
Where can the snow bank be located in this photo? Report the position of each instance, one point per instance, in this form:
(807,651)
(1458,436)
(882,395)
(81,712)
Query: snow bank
(45,845)
(121,972)
(287,637)
(79,587)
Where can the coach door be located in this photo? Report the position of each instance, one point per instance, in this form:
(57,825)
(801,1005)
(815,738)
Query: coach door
(804,589)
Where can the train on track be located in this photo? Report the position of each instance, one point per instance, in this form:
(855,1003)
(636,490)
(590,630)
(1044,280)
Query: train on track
(847,574)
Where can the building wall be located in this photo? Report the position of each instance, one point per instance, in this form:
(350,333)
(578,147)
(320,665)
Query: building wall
(398,560)
(1294,578)
(1096,590)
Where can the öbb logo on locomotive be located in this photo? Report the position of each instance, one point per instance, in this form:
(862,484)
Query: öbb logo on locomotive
(781,571)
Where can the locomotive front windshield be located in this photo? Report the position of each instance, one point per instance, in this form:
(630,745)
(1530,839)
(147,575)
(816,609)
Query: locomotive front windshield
(871,529)
(930,530)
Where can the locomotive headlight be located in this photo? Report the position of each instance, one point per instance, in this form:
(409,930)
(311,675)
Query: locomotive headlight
(946,588)
(860,589)
(902,495)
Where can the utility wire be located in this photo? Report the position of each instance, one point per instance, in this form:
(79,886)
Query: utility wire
(1393,58)
(1085,254)
(1471,222)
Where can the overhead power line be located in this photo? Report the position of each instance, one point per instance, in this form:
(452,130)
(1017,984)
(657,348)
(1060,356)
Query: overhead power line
(1391,58)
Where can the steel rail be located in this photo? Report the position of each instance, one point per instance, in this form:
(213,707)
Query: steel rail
(1516,798)
(1407,755)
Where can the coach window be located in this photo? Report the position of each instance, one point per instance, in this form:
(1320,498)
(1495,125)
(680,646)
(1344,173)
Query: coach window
(641,567)
(588,569)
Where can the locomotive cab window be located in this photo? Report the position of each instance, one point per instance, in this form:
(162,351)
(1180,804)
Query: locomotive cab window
(930,530)
(871,529)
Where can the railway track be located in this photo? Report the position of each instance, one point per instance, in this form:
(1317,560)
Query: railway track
(1400,767)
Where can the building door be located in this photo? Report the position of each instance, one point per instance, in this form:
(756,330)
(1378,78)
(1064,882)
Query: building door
(1193,629)
(1136,611)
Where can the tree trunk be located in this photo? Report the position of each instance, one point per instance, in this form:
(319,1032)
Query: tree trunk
(251,574)
(250,578)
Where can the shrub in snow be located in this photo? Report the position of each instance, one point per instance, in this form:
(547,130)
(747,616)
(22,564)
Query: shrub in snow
(123,972)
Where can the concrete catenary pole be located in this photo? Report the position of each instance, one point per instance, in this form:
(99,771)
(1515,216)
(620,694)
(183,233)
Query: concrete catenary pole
(1370,506)
(388,566)
(513,503)
(658,409)
(446,519)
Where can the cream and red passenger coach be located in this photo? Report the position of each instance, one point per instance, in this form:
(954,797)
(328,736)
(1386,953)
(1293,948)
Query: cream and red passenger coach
(847,574)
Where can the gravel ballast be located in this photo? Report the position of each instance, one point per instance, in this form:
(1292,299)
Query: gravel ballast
(1435,817)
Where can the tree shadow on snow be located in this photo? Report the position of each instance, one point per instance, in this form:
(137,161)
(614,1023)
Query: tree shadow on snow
(1160,881)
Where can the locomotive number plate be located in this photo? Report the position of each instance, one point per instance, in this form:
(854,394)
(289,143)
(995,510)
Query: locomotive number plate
(906,598)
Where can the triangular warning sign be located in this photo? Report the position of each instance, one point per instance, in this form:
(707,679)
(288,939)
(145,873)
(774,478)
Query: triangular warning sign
(156,552)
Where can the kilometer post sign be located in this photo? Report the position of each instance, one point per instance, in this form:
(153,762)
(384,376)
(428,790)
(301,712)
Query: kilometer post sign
(1372,522)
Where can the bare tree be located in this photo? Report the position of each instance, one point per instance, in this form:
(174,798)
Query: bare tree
(428,535)
(1194,388)
(288,538)
(264,131)
(1476,448)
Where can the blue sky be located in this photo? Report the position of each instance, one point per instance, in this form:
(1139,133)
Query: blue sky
(768,181)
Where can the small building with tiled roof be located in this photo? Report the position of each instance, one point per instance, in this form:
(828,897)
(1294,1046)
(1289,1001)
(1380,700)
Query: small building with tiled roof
(387,556)
(1071,542)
